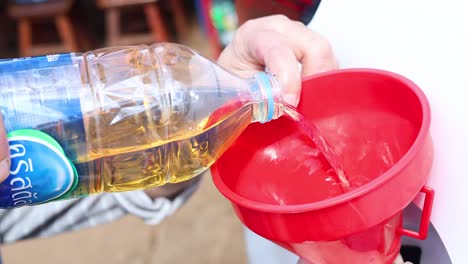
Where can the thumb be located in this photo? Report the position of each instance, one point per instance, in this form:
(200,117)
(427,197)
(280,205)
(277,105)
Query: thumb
(4,153)
(282,63)
(274,51)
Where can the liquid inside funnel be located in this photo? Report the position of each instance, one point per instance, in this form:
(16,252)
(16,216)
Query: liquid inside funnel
(290,169)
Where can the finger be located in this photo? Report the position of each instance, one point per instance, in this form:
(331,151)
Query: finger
(238,63)
(281,62)
(314,52)
(311,49)
(272,50)
(4,153)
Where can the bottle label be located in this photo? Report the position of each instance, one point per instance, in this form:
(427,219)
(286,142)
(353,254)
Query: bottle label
(40,100)
(44,93)
(35,63)
(39,172)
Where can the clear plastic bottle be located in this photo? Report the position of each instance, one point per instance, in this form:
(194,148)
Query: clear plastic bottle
(123,118)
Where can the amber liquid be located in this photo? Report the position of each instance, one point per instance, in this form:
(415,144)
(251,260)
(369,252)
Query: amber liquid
(173,147)
(175,161)
(183,159)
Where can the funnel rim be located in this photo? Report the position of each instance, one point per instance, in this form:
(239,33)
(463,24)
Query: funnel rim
(368,187)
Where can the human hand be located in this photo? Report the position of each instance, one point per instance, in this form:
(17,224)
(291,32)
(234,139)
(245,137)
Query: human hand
(4,153)
(280,45)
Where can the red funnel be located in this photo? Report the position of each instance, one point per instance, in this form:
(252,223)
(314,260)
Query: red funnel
(378,124)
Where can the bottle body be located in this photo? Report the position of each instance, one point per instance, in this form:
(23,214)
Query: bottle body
(126,118)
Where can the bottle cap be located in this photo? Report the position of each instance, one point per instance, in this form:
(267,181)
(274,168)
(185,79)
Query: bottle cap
(265,83)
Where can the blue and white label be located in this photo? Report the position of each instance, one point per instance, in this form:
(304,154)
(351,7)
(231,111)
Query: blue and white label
(35,63)
(44,93)
(39,170)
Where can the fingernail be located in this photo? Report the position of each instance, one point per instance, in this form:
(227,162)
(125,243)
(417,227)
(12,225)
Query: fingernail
(4,169)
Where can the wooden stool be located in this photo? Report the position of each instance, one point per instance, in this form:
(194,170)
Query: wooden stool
(154,20)
(179,16)
(25,14)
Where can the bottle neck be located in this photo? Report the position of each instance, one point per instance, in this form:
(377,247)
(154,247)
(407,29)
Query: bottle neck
(266,95)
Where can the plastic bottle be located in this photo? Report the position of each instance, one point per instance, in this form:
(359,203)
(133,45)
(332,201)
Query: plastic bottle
(119,119)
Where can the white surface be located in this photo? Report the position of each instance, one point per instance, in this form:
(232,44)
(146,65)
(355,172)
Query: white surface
(426,41)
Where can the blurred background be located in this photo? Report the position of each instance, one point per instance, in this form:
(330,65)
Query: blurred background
(204,230)
(37,27)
